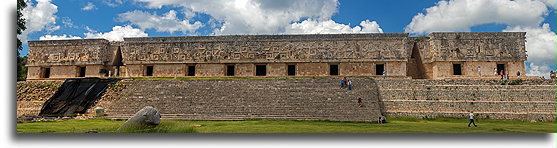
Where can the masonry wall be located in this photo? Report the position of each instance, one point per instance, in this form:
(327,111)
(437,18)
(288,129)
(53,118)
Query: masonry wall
(277,69)
(444,70)
(169,70)
(210,70)
(312,69)
(532,101)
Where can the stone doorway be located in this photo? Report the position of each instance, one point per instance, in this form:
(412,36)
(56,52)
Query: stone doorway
(149,71)
(291,70)
(501,67)
(333,70)
(82,71)
(379,69)
(191,70)
(260,70)
(457,69)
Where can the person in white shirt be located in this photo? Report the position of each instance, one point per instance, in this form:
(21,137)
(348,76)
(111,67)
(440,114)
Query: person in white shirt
(471,119)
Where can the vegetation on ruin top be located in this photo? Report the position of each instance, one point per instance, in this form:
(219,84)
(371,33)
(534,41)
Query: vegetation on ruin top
(395,125)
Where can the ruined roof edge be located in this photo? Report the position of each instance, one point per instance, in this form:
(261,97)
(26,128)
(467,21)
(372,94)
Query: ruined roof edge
(477,35)
(271,37)
(67,42)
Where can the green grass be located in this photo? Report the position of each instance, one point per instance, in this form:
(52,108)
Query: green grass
(395,125)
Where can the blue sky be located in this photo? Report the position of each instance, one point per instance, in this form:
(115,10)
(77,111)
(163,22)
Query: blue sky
(115,19)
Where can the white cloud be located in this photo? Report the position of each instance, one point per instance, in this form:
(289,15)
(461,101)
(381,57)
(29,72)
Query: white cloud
(461,15)
(165,23)
(39,17)
(518,15)
(255,16)
(550,3)
(58,37)
(118,33)
(113,3)
(90,30)
(89,6)
(68,22)
(540,46)
(537,70)
(331,27)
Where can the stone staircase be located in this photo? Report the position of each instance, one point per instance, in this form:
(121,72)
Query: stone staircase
(532,101)
(300,99)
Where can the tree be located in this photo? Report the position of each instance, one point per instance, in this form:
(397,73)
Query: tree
(21,69)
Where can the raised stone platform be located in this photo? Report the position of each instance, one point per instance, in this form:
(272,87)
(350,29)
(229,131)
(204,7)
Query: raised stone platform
(307,99)
(314,99)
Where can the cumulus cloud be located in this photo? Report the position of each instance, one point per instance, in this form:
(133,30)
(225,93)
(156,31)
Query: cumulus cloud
(39,17)
(113,3)
(541,46)
(165,23)
(550,3)
(254,16)
(331,27)
(58,37)
(89,6)
(118,33)
(461,15)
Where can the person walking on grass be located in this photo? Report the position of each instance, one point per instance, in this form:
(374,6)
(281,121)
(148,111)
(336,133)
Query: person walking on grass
(471,119)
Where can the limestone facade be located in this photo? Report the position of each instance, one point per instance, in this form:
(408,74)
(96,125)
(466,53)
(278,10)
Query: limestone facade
(438,56)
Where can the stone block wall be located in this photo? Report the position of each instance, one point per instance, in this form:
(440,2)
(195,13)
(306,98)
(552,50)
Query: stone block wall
(534,100)
(277,69)
(444,70)
(314,99)
(306,99)
(244,70)
(312,69)
(208,70)
(32,95)
(357,69)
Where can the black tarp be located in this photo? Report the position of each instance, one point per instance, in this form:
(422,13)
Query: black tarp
(75,96)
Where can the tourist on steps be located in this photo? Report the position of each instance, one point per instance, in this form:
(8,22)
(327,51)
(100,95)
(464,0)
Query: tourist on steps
(342,83)
(345,81)
(360,102)
(471,119)
(518,74)
(349,84)
(480,71)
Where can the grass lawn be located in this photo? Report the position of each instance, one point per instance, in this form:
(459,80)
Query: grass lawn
(395,125)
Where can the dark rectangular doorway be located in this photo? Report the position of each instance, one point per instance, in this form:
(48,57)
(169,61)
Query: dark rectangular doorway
(191,70)
(333,70)
(149,71)
(230,70)
(82,71)
(291,70)
(260,70)
(501,67)
(457,69)
(46,73)
(379,69)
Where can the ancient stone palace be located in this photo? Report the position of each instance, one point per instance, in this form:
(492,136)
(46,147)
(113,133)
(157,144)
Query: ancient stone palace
(445,55)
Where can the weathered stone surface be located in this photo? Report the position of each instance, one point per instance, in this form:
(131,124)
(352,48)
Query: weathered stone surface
(533,100)
(307,99)
(356,54)
(148,117)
